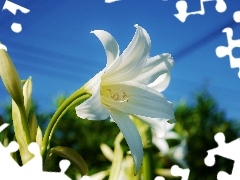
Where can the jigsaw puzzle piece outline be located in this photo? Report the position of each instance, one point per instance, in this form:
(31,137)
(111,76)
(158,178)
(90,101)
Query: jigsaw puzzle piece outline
(227,150)
(177,171)
(222,51)
(182,7)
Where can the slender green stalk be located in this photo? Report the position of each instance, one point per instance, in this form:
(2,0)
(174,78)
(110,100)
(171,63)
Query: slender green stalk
(148,166)
(24,120)
(56,116)
(74,103)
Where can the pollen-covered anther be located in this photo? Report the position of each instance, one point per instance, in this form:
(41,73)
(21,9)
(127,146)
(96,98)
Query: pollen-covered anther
(120,96)
(125,96)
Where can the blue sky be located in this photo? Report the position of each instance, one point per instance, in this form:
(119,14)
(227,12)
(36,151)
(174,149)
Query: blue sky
(57,49)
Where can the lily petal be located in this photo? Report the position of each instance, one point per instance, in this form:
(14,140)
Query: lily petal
(172,135)
(131,61)
(161,144)
(155,66)
(92,109)
(109,43)
(93,84)
(134,98)
(157,124)
(169,127)
(131,135)
(161,83)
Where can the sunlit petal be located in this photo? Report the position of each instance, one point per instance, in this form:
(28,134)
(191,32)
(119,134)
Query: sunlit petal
(157,124)
(131,135)
(172,135)
(134,98)
(131,62)
(161,83)
(155,66)
(178,153)
(169,127)
(92,109)
(161,144)
(93,84)
(109,43)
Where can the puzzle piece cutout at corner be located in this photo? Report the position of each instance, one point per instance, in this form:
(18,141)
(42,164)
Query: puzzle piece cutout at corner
(12,7)
(159,178)
(177,171)
(10,170)
(222,51)
(227,150)
(182,7)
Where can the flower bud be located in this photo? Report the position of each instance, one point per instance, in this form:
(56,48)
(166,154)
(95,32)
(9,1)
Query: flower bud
(39,136)
(10,76)
(27,93)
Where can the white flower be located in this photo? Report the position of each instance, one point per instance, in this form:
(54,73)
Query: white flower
(179,152)
(176,153)
(161,142)
(123,87)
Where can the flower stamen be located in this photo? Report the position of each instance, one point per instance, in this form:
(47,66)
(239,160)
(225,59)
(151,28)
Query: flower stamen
(119,96)
(114,99)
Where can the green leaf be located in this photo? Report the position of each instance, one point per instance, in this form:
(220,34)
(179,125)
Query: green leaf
(71,155)
(32,122)
(39,136)
(3,131)
(27,93)
(21,131)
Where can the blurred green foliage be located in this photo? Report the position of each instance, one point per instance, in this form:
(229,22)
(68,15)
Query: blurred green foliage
(197,122)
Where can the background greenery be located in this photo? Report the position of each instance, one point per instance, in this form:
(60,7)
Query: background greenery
(197,123)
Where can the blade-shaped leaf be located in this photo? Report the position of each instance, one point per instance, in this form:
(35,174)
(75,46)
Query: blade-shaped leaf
(3,129)
(32,122)
(72,156)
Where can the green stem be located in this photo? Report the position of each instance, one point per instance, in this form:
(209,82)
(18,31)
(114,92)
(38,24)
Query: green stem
(74,103)
(148,166)
(60,111)
(24,120)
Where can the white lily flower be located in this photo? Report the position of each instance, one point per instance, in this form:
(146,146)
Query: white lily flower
(176,153)
(161,142)
(123,87)
(179,152)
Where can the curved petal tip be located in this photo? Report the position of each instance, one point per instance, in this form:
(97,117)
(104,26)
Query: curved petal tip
(136,25)
(109,43)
